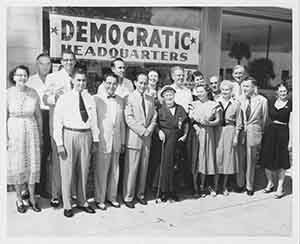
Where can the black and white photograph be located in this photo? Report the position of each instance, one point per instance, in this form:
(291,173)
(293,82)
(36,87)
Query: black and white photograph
(139,121)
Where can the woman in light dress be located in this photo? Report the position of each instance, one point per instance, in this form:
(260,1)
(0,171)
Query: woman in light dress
(24,137)
(227,134)
(205,117)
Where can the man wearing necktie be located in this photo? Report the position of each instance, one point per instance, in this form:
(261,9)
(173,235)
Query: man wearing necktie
(76,134)
(140,117)
(110,114)
(57,83)
(255,113)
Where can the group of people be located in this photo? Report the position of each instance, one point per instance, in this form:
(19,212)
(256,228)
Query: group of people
(167,134)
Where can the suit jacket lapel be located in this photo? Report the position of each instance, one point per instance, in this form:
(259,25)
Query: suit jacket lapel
(254,106)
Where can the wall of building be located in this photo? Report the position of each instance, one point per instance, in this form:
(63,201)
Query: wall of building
(281,61)
(24,36)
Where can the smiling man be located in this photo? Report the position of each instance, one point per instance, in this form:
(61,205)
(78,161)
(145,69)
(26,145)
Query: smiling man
(140,117)
(76,135)
(57,84)
(125,86)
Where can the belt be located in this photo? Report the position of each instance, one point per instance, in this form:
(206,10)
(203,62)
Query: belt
(228,123)
(77,130)
(21,116)
(279,122)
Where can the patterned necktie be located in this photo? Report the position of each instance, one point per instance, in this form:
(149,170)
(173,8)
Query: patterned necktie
(83,112)
(143,105)
(248,109)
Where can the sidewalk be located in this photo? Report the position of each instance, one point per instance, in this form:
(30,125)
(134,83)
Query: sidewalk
(235,215)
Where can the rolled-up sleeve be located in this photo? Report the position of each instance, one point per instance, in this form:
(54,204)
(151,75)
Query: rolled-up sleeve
(58,122)
(94,121)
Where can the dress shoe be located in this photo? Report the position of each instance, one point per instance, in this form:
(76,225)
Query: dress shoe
(114,204)
(54,203)
(239,189)
(164,197)
(87,209)
(142,201)
(35,207)
(225,192)
(174,197)
(250,192)
(129,204)
(212,192)
(68,213)
(269,190)
(21,208)
(101,206)
(279,195)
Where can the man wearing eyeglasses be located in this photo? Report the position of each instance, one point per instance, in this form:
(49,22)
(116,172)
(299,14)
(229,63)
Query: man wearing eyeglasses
(57,84)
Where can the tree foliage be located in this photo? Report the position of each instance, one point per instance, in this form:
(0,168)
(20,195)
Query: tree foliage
(240,50)
(262,70)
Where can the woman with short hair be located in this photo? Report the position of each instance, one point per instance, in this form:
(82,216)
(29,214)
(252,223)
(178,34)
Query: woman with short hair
(24,136)
(205,116)
(227,134)
(277,141)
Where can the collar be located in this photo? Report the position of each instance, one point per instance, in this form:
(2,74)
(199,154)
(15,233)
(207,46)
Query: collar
(65,73)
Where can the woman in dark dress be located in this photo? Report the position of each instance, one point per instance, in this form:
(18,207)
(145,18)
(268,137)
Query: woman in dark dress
(276,141)
(172,131)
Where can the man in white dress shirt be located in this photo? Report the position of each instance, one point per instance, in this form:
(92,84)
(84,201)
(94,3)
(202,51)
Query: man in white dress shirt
(37,82)
(57,84)
(110,108)
(125,86)
(76,134)
(238,75)
(183,95)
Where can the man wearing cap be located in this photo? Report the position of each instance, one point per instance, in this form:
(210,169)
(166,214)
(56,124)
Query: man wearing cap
(172,133)
(140,117)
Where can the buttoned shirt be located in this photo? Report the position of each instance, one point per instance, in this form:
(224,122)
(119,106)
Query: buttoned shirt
(36,83)
(57,82)
(123,89)
(183,96)
(67,114)
(110,102)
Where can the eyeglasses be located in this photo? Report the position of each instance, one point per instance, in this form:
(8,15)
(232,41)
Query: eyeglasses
(20,75)
(68,60)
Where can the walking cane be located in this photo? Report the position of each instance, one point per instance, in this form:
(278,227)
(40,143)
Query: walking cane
(160,169)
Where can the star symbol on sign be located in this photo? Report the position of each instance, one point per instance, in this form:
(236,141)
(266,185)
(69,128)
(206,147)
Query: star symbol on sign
(54,30)
(193,40)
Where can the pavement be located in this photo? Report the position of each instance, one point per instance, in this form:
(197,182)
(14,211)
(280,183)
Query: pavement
(235,215)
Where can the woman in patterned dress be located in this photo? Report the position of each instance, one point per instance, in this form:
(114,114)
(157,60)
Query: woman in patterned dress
(227,134)
(24,133)
(205,116)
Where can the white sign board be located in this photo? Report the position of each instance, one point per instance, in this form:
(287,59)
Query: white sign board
(105,40)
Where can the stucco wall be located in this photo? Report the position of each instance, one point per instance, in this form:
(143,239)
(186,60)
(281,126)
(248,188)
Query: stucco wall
(24,36)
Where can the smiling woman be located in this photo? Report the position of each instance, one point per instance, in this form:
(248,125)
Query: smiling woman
(24,137)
